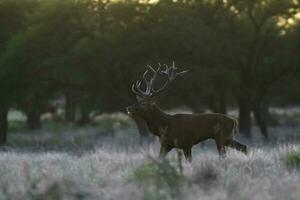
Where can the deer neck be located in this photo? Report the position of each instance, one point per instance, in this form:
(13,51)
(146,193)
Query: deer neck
(157,120)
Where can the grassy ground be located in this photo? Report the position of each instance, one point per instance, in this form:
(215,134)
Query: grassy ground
(107,161)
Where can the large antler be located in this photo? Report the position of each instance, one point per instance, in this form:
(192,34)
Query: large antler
(149,83)
(170,71)
(150,92)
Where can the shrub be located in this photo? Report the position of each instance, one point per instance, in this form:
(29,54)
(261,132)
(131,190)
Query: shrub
(158,179)
(59,189)
(205,176)
(292,160)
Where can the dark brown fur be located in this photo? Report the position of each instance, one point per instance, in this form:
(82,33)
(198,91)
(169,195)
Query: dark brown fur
(182,131)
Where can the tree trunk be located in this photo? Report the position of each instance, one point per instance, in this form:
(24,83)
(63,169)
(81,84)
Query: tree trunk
(85,108)
(70,107)
(84,119)
(222,103)
(3,124)
(245,118)
(217,103)
(33,120)
(262,116)
(84,116)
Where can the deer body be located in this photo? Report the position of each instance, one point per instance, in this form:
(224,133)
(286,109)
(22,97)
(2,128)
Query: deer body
(190,129)
(181,131)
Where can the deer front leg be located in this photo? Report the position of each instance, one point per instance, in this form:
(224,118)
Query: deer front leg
(188,154)
(164,150)
(165,147)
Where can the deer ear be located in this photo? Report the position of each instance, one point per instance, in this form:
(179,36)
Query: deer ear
(138,98)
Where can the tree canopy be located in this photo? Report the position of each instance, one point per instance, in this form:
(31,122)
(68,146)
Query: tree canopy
(238,53)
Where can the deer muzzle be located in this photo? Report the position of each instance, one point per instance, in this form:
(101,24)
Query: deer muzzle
(129,110)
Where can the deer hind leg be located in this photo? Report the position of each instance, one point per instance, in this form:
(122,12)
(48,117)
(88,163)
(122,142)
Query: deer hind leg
(188,154)
(238,146)
(220,146)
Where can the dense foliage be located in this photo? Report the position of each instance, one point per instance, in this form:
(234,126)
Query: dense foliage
(242,53)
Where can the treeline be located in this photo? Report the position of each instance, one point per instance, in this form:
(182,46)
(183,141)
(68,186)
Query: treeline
(242,53)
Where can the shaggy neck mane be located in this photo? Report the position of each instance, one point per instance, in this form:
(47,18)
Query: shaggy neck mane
(157,119)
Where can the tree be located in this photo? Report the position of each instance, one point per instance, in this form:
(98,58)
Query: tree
(256,32)
(13,15)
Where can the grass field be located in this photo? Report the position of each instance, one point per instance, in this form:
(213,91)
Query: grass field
(107,161)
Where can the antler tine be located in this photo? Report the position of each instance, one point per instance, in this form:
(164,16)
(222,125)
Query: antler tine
(160,89)
(151,68)
(151,82)
(182,73)
(141,92)
(173,65)
(171,73)
(158,71)
(148,83)
(134,90)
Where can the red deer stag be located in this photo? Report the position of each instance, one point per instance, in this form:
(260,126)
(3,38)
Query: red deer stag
(180,131)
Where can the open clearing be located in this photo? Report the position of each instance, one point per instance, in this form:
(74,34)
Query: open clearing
(110,163)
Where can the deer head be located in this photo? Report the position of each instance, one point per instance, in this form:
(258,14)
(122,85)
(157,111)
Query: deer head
(146,103)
